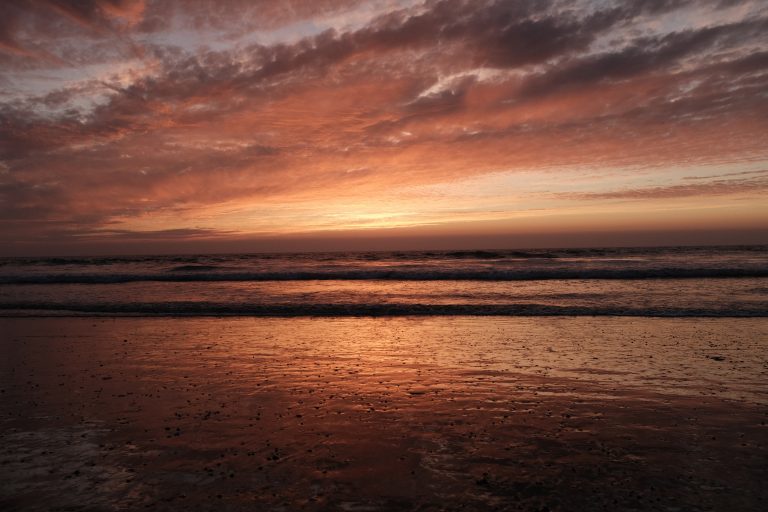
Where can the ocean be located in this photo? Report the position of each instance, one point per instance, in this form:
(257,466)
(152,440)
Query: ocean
(652,282)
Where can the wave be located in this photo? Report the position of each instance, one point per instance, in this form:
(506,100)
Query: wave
(348,310)
(194,268)
(97,261)
(493,255)
(500,254)
(187,274)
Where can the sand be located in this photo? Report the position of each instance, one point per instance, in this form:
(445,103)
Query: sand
(366,414)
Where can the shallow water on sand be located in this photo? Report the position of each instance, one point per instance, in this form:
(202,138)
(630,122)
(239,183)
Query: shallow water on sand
(383,414)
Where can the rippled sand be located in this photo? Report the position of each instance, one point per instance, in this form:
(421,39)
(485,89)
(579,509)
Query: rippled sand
(365,414)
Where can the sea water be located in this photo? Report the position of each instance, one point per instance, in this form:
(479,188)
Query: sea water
(668,281)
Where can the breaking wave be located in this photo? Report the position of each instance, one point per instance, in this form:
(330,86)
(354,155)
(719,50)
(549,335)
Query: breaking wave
(203,273)
(357,309)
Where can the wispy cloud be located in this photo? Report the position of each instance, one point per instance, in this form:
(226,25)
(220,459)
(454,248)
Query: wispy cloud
(713,187)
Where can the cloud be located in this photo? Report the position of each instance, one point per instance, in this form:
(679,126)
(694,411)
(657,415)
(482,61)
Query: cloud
(718,187)
(98,14)
(161,234)
(128,111)
(646,55)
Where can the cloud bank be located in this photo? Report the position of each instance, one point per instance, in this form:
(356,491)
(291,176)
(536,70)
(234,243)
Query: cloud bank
(120,116)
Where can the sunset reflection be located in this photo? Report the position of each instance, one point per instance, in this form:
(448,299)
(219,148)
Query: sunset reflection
(388,412)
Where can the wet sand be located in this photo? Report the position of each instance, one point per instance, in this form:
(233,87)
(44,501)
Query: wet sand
(366,414)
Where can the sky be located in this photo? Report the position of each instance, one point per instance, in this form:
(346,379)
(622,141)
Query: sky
(130,126)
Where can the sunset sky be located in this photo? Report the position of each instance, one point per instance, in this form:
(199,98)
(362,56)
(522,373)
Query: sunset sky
(217,125)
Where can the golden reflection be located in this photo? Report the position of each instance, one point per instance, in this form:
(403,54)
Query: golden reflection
(335,413)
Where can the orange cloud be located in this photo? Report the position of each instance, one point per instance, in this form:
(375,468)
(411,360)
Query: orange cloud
(166,117)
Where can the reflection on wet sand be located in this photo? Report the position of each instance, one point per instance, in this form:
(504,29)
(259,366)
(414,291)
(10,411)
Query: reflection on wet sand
(383,414)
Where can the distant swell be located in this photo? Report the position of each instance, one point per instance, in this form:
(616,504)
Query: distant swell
(346,310)
(493,255)
(194,268)
(188,275)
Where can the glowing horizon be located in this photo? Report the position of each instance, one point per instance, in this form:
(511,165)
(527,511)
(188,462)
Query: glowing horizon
(140,125)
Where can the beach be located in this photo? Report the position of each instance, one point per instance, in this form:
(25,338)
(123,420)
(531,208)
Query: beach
(397,413)
(383,256)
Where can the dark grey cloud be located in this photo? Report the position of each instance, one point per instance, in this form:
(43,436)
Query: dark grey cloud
(650,54)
